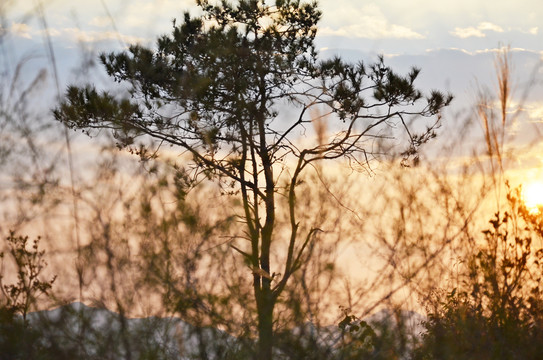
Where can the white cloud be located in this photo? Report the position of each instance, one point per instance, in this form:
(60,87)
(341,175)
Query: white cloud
(49,32)
(371,23)
(535,112)
(433,50)
(489,26)
(532,31)
(100,21)
(503,48)
(467,32)
(478,31)
(21,30)
(94,36)
(142,13)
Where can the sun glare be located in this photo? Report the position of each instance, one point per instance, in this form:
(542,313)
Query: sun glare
(533,196)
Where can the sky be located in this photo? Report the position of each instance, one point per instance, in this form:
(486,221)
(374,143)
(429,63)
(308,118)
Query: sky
(388,26)
(453,42)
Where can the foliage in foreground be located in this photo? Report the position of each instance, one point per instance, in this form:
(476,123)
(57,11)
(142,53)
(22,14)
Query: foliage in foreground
(496,309)
(20,297)
(18,340)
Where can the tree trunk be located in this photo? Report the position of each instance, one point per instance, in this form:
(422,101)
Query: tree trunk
(265,325)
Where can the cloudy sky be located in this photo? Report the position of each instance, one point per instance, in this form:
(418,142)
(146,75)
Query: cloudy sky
(461,34)
(389,26)
(453,42)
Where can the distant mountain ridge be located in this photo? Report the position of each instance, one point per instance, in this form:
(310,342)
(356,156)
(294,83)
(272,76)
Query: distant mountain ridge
(98,333)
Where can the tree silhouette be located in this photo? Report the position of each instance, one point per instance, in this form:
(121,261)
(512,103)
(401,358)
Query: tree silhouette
(233,89)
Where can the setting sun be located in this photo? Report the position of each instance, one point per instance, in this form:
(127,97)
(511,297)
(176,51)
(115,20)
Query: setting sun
(533,196)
